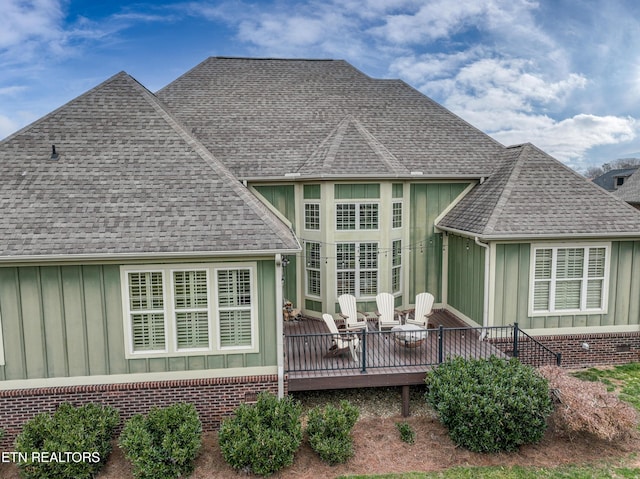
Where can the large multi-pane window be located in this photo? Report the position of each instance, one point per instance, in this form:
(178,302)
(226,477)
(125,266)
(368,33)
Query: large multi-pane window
(357,269)
(357,216)
(312,257)
(569,279)
(182,310)
(312,216)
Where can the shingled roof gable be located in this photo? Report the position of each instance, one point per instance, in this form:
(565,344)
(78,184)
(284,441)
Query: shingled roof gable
(129,180)
(265,118)
(630,191)
(534,195)
(351,149)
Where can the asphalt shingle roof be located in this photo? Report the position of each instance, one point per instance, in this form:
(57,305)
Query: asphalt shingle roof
(266,118)
(533,195)
(630,191)
(129,180)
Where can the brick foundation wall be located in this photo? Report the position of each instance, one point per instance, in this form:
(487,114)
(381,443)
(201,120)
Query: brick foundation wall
(603,348)
(214,398)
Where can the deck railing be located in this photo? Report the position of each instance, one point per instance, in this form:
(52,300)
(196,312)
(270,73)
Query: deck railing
(394,349)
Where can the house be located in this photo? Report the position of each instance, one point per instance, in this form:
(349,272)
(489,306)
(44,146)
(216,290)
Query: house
(614,179)
(630,191)
(149,240)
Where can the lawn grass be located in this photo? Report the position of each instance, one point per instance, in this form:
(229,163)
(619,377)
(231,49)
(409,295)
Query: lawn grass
(624,380)
(603,471)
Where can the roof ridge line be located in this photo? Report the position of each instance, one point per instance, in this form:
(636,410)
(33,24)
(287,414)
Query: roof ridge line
(216,165)
(507,189)
(378,147)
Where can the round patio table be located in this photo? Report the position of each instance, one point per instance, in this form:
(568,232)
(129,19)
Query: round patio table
(409,335)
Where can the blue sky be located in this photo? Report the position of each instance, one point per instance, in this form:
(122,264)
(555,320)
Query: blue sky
(562,74)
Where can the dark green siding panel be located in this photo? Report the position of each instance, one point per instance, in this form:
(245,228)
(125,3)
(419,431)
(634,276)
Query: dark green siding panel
(466,277)
(114,336)
(311,192)
(54,327)
(75,326)
(428,200)
(215,362)
(312,305)
(357,191)
(172,364)
(235,360)
(12,331)
(95,320)
(138,366)
(267,314)
(32,320)
(634,286)
(196,363)
(282,197)
(289,289)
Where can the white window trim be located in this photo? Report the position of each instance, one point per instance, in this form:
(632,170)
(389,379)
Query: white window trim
(357,205)
(568,312)
(171,340)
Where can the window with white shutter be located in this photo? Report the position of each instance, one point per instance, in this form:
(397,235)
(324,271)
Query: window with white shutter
(179,310)
(235,313)
(567,280)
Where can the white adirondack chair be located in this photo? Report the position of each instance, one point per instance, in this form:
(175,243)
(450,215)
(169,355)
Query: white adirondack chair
(353,319)
(388,317)
(342,340)
(422,310)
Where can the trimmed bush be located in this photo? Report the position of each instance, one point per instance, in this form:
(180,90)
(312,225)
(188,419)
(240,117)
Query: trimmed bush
(490,405)
(165,443)
(329,431)
(71,443)
(262,438)
(407,434)
(587,407)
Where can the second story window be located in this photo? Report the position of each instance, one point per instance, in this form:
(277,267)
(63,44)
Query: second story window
(357,216)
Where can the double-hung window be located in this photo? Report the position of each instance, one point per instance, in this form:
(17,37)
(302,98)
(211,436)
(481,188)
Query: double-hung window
(357,269)
(312,216)
(357,216)
(189,309)
(396,266)
(567,280)
(312,256)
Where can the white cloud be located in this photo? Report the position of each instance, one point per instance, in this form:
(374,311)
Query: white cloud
(26,20)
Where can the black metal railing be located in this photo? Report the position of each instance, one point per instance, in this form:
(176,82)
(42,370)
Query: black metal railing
(365,349)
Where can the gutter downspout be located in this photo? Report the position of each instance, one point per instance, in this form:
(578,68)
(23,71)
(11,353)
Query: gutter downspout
(279,326)
(487,257)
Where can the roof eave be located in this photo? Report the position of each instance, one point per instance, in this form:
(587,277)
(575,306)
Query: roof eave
(360,176)
(542,236)
(130,257)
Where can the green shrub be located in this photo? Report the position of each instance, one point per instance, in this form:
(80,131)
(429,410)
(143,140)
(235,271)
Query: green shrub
(490,405)
(73,442)
(329,431)
(165,443)
(262,438)
(407,434)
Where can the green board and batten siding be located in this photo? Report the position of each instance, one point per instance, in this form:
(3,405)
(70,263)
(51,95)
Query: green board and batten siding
(428,201)
(512,290)
(65,321)
(465,283)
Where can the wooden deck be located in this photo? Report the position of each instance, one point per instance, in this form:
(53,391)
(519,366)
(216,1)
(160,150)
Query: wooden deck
(383,359)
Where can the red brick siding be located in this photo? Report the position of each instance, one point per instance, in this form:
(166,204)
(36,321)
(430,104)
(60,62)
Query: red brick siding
(604,348)
(214,398)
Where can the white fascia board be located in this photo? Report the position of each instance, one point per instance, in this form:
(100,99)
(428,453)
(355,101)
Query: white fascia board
(546,236)
(129,257)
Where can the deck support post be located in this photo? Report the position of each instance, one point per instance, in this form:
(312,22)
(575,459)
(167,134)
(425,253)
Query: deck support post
(405,401)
